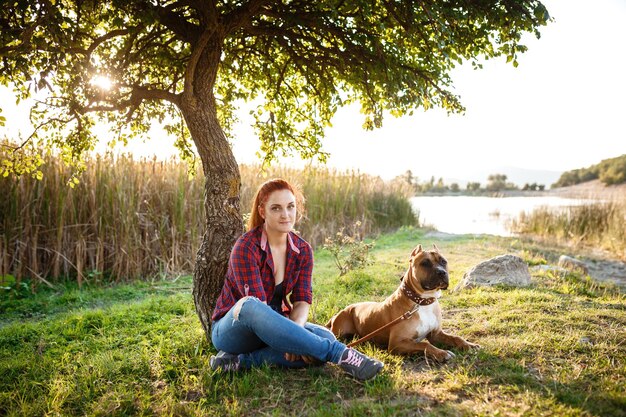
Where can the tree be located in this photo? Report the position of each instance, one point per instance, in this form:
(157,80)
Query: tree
(496,182)
(410,179)
(473,186)
(193,61)
(530,187)
(440,186)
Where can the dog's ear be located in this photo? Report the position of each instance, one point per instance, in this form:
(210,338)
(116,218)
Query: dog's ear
(436,248)
(417,250)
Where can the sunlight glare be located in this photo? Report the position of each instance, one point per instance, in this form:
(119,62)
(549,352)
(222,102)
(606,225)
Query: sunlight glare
(102,82)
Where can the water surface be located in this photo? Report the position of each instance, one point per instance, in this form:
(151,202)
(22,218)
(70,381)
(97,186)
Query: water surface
(481,215)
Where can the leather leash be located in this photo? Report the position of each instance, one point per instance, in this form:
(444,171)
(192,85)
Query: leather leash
(419,301)
(386,326)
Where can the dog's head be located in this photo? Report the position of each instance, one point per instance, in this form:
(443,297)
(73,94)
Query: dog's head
(428,269)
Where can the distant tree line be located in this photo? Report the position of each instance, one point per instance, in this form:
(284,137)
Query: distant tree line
(610,171)
(495,183)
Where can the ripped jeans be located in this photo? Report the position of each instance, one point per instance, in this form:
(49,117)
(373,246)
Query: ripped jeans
(261,336)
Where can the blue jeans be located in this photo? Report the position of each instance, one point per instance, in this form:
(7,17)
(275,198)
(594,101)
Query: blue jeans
(261,336)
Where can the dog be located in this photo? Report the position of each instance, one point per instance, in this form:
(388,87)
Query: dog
(420,287)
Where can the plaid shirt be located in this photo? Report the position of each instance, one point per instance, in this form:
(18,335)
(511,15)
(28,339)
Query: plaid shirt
(251,272)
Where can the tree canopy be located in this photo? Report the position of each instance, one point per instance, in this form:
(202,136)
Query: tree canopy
(610,171)
(299,60)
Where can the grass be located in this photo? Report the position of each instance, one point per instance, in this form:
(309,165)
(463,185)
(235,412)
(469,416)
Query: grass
(554,348)
(601,224)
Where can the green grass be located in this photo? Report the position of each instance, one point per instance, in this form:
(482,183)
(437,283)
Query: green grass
(554,348)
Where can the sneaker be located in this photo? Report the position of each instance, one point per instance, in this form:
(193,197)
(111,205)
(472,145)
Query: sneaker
(358,365)
(225,361)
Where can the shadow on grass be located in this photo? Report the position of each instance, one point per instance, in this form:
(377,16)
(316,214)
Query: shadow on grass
(579,393)
(316,391)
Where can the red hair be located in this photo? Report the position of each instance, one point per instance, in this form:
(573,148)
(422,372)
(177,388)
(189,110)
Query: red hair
(263,194)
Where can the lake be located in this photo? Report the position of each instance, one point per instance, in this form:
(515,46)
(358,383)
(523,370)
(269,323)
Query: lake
(481,215)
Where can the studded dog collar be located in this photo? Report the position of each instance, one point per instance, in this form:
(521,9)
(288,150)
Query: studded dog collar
(413,296)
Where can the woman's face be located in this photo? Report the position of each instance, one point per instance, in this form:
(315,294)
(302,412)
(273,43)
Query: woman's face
(279,211)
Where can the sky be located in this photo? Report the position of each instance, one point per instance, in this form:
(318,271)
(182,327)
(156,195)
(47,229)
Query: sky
(562,108)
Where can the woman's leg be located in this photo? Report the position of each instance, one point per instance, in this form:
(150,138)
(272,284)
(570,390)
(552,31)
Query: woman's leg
(271,356)
(321,331)
(251,323)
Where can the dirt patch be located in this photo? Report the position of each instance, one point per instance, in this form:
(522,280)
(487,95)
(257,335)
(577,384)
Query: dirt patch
(435,234)
(601,266)
(611,271)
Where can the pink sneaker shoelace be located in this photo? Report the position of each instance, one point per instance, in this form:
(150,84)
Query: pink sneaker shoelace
(353,358)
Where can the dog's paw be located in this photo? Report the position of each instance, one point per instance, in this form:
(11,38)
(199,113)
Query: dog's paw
(441,355)
(449,355)
(469,346)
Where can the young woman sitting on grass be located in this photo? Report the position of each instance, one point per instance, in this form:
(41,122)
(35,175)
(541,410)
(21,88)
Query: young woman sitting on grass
(253,322)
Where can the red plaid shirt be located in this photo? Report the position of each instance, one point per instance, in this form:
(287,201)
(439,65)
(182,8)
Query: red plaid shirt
(251,272)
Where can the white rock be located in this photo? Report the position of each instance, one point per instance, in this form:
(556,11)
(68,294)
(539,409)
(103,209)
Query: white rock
(504,269)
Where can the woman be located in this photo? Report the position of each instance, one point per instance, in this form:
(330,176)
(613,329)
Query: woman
(253,322)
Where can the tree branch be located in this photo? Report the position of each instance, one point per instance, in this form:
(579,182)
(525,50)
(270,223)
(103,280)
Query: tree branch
(27,33)
(186,31)
(37,128)
(144,93)
(196,54)
(242,15)
(138,94)
(100,40)
(201,7)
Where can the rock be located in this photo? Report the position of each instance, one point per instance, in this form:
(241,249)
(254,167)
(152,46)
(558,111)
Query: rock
(504,269)
(573,264)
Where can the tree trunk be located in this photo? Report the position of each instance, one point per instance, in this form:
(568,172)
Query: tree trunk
(224,223)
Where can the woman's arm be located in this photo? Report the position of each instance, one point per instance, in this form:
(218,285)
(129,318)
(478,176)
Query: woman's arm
(302,289)
(244,268)
(302,298)
(300,312)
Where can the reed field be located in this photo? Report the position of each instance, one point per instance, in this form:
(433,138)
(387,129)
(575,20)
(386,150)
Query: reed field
(336,199)
(601,224)
(132,219)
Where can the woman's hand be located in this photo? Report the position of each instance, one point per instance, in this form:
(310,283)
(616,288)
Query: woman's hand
(309,360)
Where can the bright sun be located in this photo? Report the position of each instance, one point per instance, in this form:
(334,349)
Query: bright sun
(102,82)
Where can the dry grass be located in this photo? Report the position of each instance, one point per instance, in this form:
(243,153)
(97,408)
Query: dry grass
(336,199)
(601,224)
(130,219)
(124,219)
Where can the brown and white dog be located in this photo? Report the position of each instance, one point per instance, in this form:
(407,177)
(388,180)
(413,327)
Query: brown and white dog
(421,286)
